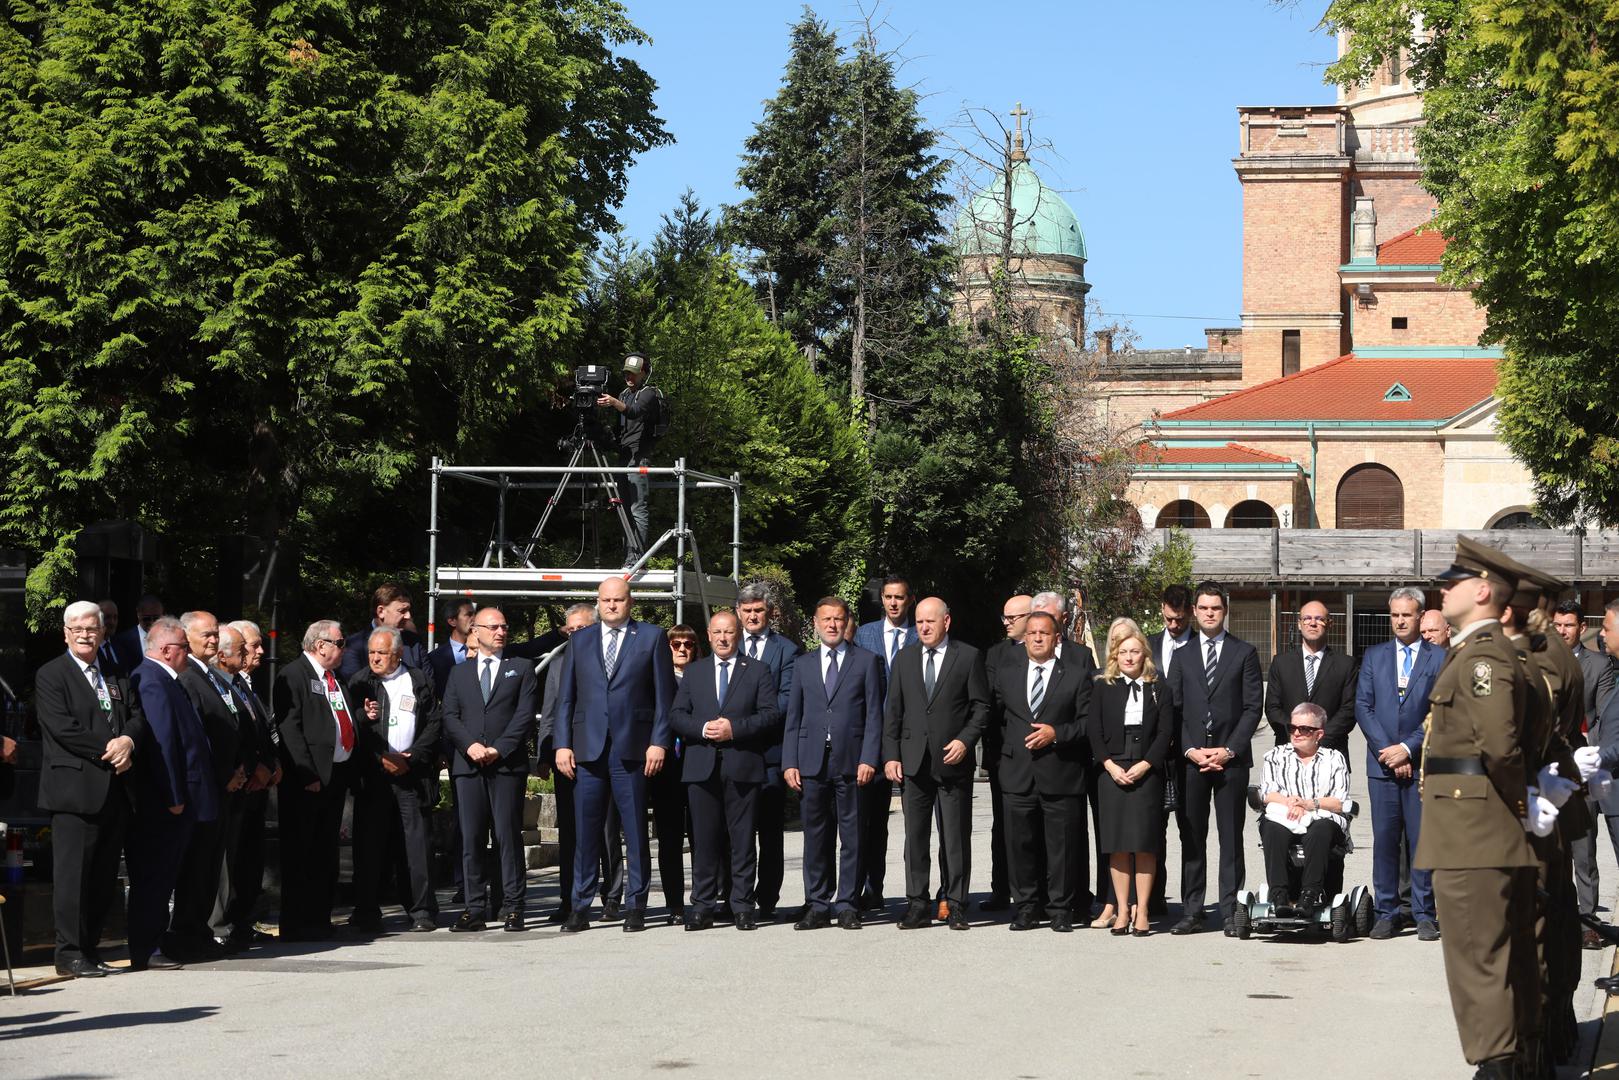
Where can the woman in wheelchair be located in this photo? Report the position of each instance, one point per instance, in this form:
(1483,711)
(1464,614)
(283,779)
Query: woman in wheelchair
(1304,790)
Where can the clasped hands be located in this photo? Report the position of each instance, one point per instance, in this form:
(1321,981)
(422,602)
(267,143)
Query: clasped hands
(1397,760)
(1128,777)
(1209,758)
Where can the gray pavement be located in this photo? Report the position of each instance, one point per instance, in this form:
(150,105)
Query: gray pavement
(987,1003)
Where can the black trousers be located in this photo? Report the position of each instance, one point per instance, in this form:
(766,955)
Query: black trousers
(1277,840)
(242,882)
(392,845)
(1225,793)
(875,799)
(197,889)
(156,847)
(310,825)
(1055,825)
(487,799)
(954,800)
(771,807)
(667,794)
(84,858)
(724,815)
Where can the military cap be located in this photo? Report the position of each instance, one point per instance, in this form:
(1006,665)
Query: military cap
(1476,560)
(1532,583)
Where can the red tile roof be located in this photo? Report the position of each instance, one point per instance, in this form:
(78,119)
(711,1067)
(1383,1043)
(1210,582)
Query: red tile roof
(1229,454)
(1352,388)
(1413,248)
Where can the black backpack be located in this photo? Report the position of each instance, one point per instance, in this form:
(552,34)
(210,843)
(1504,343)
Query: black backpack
(666,414)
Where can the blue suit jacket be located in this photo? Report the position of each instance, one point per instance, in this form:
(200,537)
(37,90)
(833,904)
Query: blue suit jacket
(750,705)
(1385,718)
(854,716)
(632,709)
(440,662)
(779,653)
(871,637)
(175,766)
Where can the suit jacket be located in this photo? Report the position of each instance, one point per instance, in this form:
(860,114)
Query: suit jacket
(1225,713)
(76,730)
(173,766)
(504,722)
(1106,726)
(1334,691)
(852,720)
(440,662)
(1385,718)
(631,709)
(1058,769)
(260,724)
(779,652)
(126,649)
(750,705)
(373,735)
(231,740)
(875,637)
(356,660)
(1608,728)
(916,728)
(303,715)
(1599,676)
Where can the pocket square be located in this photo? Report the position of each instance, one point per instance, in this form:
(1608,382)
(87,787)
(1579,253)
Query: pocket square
(509,674)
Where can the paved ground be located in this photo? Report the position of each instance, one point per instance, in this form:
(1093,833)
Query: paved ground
(987,1003)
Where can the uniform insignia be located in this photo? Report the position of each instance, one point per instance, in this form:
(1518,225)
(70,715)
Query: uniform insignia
(1481,679)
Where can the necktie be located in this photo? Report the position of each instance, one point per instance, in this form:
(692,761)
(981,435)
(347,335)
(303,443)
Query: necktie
(612,651)
(1209,664)
(1135,690)
(100,688)
(488,679)
(1309,674)
(345,726)
(1037,692)
(831,674)
(1405,662)
(893,650)
(930,674)
(222,690)
(753,647)
(725,679)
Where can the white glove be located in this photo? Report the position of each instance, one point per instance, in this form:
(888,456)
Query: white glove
(1589,759)
(1542,815)
(1599,784)
(1554,787)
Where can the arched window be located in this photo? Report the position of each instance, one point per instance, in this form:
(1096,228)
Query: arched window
(1183,514)
(1251,514)
(1518,519)
(1370,497)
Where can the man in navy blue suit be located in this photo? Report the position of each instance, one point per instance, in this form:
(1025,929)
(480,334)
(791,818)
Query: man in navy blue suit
(612,732)
(830,750)
(725,712)
(756,609)
(175,788)
(885,637)
(1217,695)
(1391,701)
(459,615)
(390,608)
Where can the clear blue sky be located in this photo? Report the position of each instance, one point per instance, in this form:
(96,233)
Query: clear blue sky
(1137,99)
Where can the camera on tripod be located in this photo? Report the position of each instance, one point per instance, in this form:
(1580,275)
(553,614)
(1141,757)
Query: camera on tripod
(589,382)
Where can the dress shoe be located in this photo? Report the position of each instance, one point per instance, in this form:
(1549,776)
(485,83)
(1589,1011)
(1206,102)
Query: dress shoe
(422,924)
(958,919)
(1119,929)
(814,920)
(916,917)
(1590,939)
(459,896)
(996,902)
(1428,930)
(677,914)
(249,938)
(746,920)
(1230,927)
(1191,924)
(634,920)
(1310,903)
(229,946)
(575,923)
(1501,1068)
(849,919)
(81,968)
(1281,902)
(1062,923)
(610,911)
(513,922)
(155,962)
(1024,920)
(1382,930)
(944,910)
(560,915)
(700,920)
(469,923)
(1140,931)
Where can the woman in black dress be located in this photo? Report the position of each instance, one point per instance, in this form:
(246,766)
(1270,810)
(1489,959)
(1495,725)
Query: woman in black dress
(1129,731)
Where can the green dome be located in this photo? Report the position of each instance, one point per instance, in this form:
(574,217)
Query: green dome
(1043,224)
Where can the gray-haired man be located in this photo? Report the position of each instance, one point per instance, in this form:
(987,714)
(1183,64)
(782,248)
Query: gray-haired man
(756,608)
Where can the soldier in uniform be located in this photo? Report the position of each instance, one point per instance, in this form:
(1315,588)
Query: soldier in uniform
(1476,812)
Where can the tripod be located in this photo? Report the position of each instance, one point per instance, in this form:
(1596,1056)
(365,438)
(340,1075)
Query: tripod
(582,443)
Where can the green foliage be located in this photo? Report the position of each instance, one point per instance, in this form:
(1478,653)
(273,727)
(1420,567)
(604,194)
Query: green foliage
(258,264)
(1125,577)
(1521,149)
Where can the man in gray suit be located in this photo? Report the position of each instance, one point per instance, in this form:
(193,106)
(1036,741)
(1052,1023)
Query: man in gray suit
(1568,619)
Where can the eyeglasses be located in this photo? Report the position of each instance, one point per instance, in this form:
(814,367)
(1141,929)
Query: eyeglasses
(492,627)
(1010,619)
(181,645)
(1312,618)
(338,642)
(1302,729)
(84,631)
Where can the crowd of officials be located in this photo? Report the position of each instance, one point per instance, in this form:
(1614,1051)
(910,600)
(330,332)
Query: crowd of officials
(160,748)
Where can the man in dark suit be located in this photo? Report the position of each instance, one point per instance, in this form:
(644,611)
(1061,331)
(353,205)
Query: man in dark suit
(90,724)
(1317,673)
(1216,695)
(937,707)
(1391,702)
(398,771)
(1009,650)
(1175,608)
(490,704)
(319,738)
(106,657)
(576,618)
(1568,619)
(459,614)
(726,713)
(1081,652)
(390,607)
(1607,745)
(175,789)
(1041,704)
(831,747)
(129,644)
(885,637)
(612,733)
(233,755)
(756,609)
(243,882)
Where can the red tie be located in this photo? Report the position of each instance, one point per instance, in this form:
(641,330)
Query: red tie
(345,726)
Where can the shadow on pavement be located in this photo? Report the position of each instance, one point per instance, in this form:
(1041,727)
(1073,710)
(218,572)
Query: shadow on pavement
(47,1023)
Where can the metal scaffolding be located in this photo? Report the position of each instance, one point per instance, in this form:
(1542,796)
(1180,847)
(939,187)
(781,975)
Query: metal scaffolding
(508,573)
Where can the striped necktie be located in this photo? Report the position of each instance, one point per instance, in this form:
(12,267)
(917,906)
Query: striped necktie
(1037,692)
(612,652)
(1210,664)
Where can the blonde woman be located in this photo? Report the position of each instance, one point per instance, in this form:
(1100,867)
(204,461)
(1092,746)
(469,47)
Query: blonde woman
(1129,731)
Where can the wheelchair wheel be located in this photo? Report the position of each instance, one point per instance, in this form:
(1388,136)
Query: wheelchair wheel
(1242,922)
(1341,919)
(1363,915)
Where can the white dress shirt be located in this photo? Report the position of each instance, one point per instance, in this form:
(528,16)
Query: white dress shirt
(826,658)
(1171,645)
(1045,679)
(1134,697)
(623,631)
(401,710)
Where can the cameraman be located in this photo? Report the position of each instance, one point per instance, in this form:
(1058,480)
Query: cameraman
(639,418)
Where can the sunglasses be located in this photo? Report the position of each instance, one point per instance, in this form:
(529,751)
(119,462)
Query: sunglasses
(1302,729)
